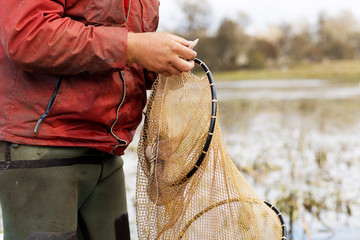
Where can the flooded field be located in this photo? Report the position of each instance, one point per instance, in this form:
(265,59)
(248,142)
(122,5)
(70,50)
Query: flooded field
(297,142)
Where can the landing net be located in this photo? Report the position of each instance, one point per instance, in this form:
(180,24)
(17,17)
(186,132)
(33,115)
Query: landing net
(187,186)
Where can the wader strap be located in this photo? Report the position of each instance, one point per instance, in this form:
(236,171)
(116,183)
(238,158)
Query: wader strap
(54,236)
(7,153)
(44,163)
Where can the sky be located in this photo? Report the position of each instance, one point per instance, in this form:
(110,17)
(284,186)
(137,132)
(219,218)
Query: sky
(262,12)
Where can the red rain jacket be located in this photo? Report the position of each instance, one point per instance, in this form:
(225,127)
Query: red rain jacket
(60,80)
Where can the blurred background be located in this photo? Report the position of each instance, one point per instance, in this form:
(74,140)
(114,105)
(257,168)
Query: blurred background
(288,80)
(239,34)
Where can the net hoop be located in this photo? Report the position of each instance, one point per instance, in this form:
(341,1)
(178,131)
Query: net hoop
(212,123)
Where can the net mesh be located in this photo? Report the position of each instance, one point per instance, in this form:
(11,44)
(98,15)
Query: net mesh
(215,202)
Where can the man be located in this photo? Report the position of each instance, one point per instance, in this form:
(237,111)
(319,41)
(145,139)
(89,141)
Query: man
(73,80)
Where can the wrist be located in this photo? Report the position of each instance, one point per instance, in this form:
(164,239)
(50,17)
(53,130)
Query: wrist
(131,47)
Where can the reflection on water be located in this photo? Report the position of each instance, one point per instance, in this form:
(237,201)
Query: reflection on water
(285,89)
(295,83)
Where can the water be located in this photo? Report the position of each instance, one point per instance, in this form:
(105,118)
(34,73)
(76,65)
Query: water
(299,141)
(285,90)
(299,138)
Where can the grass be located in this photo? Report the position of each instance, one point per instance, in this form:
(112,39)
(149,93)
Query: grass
(323,114)
(339,71)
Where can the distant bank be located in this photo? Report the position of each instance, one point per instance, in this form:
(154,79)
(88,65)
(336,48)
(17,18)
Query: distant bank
(337,71)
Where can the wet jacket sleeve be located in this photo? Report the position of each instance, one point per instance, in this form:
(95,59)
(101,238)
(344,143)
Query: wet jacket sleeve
(37,37)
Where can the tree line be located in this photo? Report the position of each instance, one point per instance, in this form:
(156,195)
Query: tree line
(331,37)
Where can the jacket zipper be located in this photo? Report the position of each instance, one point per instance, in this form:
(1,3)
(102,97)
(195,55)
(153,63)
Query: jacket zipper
(56,90)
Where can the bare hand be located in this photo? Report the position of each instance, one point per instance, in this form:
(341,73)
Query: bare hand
(162,53)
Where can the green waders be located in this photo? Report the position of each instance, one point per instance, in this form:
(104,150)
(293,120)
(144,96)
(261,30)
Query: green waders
(62,193)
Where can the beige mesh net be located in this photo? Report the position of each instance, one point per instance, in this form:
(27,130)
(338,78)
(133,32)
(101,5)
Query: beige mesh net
(180,196)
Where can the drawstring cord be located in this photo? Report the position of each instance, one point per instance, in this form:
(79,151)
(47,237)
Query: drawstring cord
(118,109)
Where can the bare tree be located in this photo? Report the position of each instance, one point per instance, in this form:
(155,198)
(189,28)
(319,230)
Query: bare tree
(196,17)
(231,42)
(337,35)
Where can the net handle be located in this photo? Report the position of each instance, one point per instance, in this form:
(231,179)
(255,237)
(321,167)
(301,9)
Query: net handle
(212,122)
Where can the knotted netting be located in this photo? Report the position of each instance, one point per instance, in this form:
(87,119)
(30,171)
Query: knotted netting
(187,186)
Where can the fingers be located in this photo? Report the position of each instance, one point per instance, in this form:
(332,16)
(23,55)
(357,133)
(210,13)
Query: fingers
(178,69)
(181,47)
(188,54)
(181,40)
(183,65)
(173,70)
(183,57)
(184,51)
(180,58)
